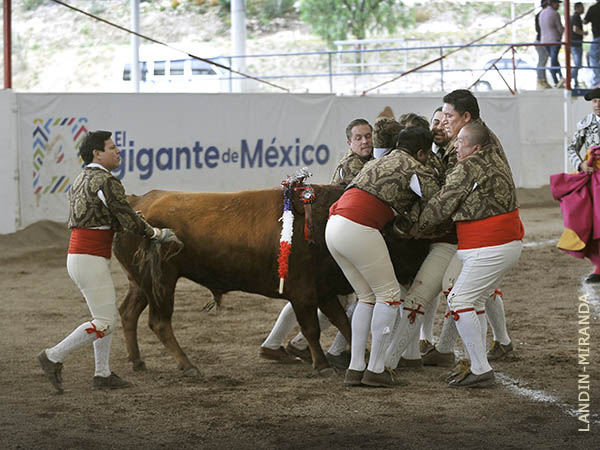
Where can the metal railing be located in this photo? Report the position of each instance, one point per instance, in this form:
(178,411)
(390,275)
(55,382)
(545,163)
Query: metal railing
(480,66)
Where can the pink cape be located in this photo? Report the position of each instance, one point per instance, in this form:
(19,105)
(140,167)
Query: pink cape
(581,214)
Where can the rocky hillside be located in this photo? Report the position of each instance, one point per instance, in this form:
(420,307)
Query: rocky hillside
(56,49)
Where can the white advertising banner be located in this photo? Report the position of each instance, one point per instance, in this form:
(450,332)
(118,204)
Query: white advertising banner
(233,142)
(178,142)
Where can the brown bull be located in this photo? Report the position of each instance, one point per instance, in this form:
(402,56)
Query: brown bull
(231,243)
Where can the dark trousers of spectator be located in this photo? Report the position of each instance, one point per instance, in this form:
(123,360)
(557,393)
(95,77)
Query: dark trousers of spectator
(577,52)
(554,64)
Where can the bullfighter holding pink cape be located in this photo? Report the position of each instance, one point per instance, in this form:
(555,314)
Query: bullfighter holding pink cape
(581,214)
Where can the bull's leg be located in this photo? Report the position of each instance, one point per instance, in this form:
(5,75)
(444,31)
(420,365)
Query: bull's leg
(130,309)
(331,307)
(159,321)
(215,302)
(306,314)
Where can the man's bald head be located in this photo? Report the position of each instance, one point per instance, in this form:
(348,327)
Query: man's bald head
(471,138)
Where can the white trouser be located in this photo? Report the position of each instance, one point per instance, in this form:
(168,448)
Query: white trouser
(482,271)
(428,281)
(362,254)
(451,275)
(425,287)
(92,276)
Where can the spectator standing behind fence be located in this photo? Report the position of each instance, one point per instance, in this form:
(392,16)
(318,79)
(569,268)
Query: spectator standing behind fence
(577,34)
(593,16)
(551,32)
(542,82)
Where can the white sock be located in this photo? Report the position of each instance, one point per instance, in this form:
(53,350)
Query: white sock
(470,333)
(384,318)
(427,325)
(102,356)
(494,309)
(398,340)
(339,343)
(483,327)
(350,309)
(77,339)
(300,342)
(413,351)
(448,335)
(361,324)
(283,326)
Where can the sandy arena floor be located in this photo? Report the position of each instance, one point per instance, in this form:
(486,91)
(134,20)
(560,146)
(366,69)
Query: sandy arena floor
(242,401)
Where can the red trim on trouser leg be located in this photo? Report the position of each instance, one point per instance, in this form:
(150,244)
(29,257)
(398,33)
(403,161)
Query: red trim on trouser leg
(99,333)
(495,293)
(456,313)
(412,316)
(480,312)
(393,303)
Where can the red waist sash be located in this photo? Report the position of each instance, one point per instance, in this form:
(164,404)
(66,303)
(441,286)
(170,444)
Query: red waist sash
(495,230)
(91,242)
(363,208)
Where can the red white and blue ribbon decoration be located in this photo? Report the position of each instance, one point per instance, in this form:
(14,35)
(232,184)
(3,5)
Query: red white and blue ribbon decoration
(285,243)
(287,219)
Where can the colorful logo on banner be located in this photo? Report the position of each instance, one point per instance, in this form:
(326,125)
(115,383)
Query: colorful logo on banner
(52,138)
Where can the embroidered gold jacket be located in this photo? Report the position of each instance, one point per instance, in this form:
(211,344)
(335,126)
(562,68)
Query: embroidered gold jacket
(388,179)
(348,168)
(478,187)
(86,209)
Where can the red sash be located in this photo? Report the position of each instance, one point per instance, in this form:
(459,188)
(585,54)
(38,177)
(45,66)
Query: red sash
(495,230)
(91,242)
(363,208)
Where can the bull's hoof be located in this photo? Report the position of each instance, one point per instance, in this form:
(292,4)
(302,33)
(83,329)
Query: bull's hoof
(327,372)
(191,372)
(139,366)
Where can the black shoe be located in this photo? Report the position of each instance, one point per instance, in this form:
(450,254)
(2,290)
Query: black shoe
(113,381)
(304,355)
(353,377)
(387,378)
(52,370)
(410,364)
(593,278)
(341,361)
(462,367)
(470,380)
(435,358)
(425,346)
(499,351)
(279,355)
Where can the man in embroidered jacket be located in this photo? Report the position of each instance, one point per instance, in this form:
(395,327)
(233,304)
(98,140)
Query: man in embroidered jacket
(383,188)
(461,108)
(97,208)
(360,140)
(479,196)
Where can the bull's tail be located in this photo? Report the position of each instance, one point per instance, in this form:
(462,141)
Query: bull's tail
(149,258)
